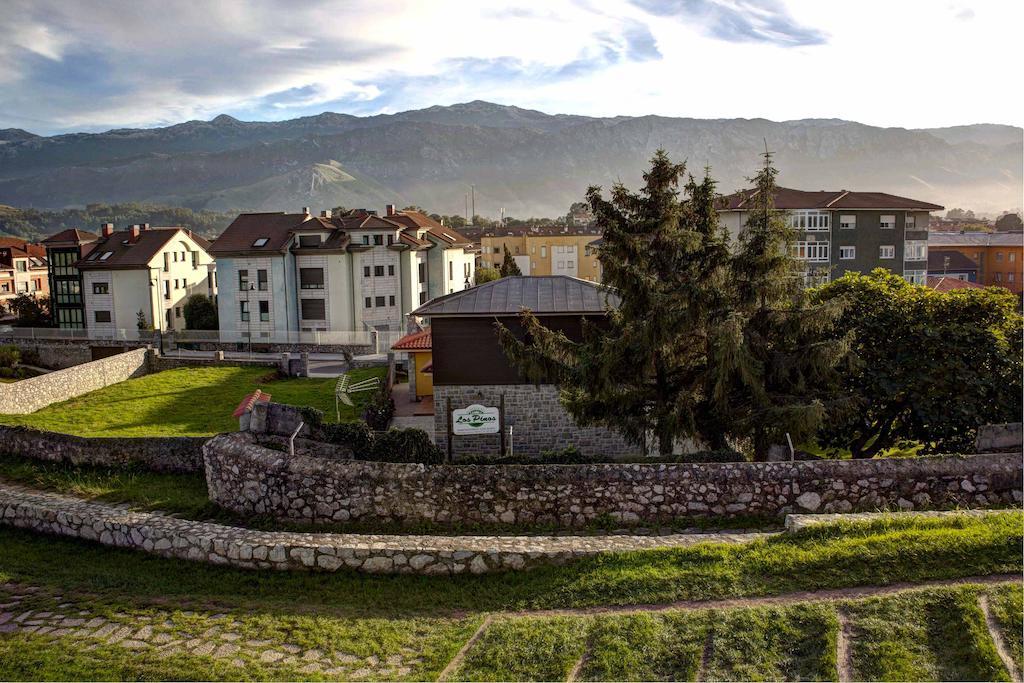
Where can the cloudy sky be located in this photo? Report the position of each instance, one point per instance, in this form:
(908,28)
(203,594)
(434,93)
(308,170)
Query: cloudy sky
(94,65)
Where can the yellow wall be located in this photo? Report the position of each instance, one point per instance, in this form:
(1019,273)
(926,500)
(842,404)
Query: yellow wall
(540,249)
(424,380)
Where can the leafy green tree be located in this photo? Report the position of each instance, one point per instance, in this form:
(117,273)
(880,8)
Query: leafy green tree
(508,265)
(30,311)
(484,275)
(1008,222)
(200,313)
(927,366)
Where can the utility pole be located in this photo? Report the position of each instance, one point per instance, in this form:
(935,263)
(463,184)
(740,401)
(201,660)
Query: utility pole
(472,189)
(466,197)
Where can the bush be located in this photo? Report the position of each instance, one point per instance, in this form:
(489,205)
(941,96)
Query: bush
(354,435)
(10,356)
(405,445)
(379,411)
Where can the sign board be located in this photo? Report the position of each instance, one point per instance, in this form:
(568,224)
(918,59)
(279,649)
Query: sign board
(475,419)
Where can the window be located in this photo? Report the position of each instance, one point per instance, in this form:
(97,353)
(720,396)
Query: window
(423,298)
(314,309)
(451,270)
(999,277)
(810,251)
(366,271)
(177,311)
(423,272)
(261,279)
(309,241)
(195,260)
(809,221)
(391,300)
(243,309)
(311,278)
(1012,256)
(916,277)
(264,311)
(570,264)
(391,240)
(167,289)
(887,222)
(887,251)
(999,256)
(368,302)
(101,316)
(366,239)
(101,288)
(497,250)
(243,280)
(379,301)
(261,242)
(543,252)
(847,253)
(561,265)
(176,285)
(175,254)
(847,222)
(183,259)
(378,271)
(465,270)
(391,270)
(1010,277)
(911,222)
(106,255)
(378,240)
(915,250)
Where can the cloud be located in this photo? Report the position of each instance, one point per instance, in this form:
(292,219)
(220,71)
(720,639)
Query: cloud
(965,14)
(759,21)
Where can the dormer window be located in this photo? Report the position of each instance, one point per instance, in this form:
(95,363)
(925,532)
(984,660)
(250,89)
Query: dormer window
(106,255)
(261,242)
(309,240)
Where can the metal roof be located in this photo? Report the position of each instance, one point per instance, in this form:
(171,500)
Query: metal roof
(543,295)
(975,239)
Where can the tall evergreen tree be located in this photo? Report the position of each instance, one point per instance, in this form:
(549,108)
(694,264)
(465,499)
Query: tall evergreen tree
(704,344)
(508,265)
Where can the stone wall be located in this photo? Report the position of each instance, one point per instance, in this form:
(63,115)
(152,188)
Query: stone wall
(251,480)
(1004,438)
(158,363)
(182,454)
(34,393)
(538,420)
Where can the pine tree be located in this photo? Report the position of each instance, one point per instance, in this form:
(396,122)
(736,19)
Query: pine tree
(508,265)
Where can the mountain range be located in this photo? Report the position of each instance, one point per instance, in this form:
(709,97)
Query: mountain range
(527,162)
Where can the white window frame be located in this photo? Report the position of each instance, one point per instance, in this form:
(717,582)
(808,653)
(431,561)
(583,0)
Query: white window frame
(847,252)
(810,220)
(812,252)
(910,222)
(915,250)
(887,251)
(847,222)
(916,276)
(887,222)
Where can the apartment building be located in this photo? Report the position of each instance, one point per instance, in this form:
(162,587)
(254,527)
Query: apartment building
(23,269)
(152,270)
(843,231)
(998,255)
(63,251)
(283,273)
(547,250)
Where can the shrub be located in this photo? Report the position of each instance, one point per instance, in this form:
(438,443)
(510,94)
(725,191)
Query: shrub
(10,356)
(380,410)
(405,445)
(354,435)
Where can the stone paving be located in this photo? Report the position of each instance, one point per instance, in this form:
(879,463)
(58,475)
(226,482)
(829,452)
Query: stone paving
(371,553)
(232,638)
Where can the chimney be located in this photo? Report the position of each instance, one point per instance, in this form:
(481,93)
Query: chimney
(305,210)
(135,232)
(144,226)
(325,214)
(390,209)
(107,229)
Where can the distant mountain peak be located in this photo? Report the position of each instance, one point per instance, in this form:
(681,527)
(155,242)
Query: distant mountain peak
(224,120)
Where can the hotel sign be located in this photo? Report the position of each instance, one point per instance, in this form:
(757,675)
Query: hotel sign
(475,419)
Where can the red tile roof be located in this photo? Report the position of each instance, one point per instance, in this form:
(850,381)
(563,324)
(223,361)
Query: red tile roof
(417,341)
(788,199)
(249,401)
(72,235)
(946,284)
(126,252)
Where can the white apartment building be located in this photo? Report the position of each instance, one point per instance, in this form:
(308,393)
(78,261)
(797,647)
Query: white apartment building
(152,270)
(299,273)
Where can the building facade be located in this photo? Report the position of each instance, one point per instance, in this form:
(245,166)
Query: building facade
(998,255)
(63,251)
(152,271)
(283,275)
(947,263)
(548,250)
(842,231)
(23,269)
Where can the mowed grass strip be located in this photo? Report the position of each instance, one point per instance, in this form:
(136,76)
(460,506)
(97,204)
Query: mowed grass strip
(645,647)
(932,635)
(1007,606)
(876,553)
(185,402)
(525,649)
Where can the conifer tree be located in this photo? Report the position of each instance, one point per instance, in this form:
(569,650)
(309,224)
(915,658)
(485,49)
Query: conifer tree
(508,265)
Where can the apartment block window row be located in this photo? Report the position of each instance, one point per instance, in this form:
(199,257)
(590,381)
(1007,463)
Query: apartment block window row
(810,221)
(810,251)
(915,250)
(379,301)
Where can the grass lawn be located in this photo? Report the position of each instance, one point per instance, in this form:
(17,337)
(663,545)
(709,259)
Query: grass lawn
(184,402)
(1007,605)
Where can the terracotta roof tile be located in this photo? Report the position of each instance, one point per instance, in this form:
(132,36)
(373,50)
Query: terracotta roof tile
(72,235)
(946,284)
(417,341)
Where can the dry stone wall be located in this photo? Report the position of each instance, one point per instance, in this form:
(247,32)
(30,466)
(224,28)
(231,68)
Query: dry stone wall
(35,393)
(249,479)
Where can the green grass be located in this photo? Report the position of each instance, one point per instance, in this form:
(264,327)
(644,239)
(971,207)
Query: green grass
(645,647)
(1007,606)
(934,635)
(184,402)
(879,552)
(183,494)
(525,649)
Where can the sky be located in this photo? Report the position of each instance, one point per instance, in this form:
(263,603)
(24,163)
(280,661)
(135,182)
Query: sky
(89,66)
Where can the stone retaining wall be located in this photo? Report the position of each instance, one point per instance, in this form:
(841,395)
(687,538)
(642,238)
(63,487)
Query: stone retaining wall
(182,454)
(375,554)
(34,393)
(160,363)
(252,480)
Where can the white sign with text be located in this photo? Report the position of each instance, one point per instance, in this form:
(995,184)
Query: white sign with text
(475,419)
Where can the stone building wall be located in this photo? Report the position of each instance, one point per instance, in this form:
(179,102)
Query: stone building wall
(252,480)
(181,454)
(539,423)
(34,393)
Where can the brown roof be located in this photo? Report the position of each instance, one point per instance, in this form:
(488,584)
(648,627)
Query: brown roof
(958,261)
(244,231)
(72,235)
(14,248)
(415,219)
(544,230)
(128,253)
(417,341)
(946,284)
(789,199)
